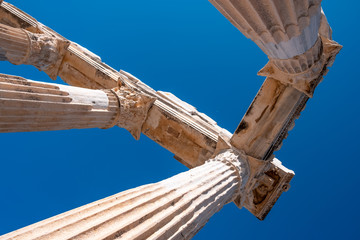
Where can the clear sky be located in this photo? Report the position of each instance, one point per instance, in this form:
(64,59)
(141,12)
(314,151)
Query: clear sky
(188,48)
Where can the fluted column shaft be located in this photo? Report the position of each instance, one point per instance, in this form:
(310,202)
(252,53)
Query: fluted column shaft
(14,44)
(176,208)
(27,105)
(282,29)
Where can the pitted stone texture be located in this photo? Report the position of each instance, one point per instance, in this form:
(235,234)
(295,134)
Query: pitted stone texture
(134,108)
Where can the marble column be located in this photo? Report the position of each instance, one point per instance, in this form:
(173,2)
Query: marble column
(176,208)
(27,105)
(294,34)
(282,29)
(296,37)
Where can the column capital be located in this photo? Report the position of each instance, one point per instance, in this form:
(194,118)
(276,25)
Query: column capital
(134,106)
(241,165)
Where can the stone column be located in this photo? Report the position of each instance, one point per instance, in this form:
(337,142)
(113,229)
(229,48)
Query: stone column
(19,46)
(282,29)
(296,37)
(27,105)
(14,44)
(176,208)
(294,34)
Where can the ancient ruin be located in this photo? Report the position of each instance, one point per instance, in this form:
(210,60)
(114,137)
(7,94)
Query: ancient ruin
(224,167)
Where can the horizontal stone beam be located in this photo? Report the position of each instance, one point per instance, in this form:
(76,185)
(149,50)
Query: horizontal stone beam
(170,119)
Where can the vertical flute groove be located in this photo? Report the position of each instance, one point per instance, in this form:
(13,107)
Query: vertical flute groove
(14,45)
(282,29)
(30,106)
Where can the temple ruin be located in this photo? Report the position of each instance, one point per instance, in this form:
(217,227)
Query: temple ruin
(224,167)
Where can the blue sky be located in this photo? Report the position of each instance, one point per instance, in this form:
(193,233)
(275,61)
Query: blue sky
(188,48)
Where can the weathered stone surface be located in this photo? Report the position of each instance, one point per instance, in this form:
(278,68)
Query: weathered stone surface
(269,118)
(44,52)
(196,134)
(296,37)
(134,107)
(27,105)
(176,208)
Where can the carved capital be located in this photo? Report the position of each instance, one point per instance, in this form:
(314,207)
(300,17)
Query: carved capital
(46,53)
(239,162)
(134,107)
